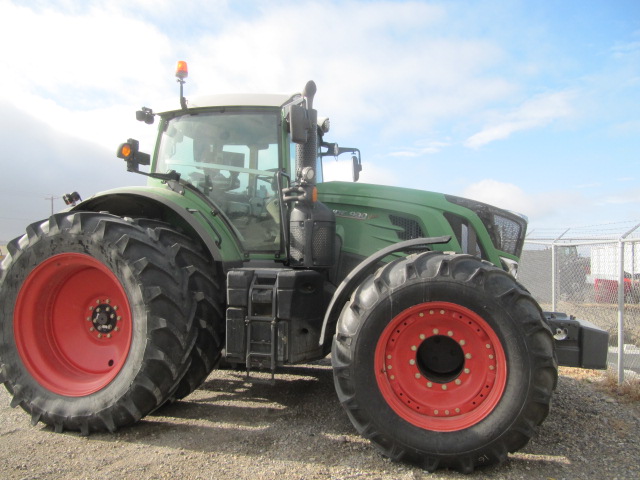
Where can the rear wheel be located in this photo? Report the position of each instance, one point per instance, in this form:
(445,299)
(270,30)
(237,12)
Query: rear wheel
(96,322)
(207,288)
(444,361)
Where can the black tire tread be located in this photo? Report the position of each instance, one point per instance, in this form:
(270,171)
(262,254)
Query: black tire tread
(494,282)
(165,292)
(207,289)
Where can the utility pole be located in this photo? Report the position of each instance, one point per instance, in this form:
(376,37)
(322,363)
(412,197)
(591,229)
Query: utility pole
(52,198)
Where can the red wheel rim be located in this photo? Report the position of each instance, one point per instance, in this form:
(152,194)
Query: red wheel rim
(440,366)
(72,324)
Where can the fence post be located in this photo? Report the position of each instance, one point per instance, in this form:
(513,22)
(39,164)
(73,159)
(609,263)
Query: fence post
(621,311)
(554,277)
(621,244)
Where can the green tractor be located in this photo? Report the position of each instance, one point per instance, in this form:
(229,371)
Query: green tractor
(238,252)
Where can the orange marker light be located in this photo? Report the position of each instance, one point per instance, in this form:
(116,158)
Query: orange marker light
(125,150)
(314,195)
(181,70)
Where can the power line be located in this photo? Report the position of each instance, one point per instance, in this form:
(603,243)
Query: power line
(52,198)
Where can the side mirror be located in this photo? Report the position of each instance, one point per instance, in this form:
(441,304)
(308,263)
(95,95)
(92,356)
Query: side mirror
(298,124)
(357,168)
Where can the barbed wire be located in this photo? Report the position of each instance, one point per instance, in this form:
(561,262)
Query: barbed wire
(604,231)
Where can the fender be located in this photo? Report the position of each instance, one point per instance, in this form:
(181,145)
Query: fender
(145,202)
(364,269)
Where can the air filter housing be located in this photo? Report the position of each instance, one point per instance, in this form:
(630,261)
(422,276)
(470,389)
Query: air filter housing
(312,233)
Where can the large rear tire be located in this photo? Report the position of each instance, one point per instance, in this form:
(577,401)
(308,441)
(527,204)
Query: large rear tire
(207,287)
(96,322)
(444,361)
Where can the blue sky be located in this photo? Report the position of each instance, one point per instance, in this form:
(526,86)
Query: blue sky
(529,105)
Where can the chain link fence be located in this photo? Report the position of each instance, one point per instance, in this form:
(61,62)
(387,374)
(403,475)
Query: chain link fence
(595,276)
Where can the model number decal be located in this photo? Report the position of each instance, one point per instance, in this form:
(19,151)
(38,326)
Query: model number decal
(354,215)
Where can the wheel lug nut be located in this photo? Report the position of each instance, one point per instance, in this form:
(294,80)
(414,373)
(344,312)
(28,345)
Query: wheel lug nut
(458,381)
(88,319)
(467,356)
(99,335)
(91,329)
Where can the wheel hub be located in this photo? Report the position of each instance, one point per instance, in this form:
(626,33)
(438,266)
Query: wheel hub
(440,359)
(440,366)
(72,324)
(104,318)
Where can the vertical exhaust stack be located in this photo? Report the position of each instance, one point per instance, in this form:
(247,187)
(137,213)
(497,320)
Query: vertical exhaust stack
(312,226)
(307,153)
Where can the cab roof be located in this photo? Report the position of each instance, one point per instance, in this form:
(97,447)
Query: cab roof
(240,100)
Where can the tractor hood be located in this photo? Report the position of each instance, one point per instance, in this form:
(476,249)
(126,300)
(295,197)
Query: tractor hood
(477,228)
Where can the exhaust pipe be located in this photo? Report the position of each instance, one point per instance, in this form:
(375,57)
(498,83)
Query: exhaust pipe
(307,153)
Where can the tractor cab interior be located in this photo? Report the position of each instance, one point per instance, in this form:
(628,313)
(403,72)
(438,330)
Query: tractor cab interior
(233,158)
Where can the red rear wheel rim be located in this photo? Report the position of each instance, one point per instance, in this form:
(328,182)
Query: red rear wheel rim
(72,324)
(440,366)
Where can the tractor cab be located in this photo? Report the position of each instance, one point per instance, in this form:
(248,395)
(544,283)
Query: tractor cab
(254,158)
(234,159)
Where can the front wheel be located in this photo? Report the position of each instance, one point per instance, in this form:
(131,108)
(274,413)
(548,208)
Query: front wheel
(444,361)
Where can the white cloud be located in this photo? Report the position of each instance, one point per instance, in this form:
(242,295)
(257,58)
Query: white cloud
(537,112)
(341,170)
(630,196)
(392,66)
(84,72)
(422,149)
(536,206)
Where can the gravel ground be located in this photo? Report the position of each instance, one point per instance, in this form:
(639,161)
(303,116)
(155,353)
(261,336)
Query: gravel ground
(297,430)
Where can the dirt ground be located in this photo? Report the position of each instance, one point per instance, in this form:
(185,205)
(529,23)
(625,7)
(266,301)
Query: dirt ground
(231,428)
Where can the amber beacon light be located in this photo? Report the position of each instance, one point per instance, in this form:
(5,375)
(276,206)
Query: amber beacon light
(182,71)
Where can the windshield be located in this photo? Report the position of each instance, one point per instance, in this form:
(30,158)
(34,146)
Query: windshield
(232,158)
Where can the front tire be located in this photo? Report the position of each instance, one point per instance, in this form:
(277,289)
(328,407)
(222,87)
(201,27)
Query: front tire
(444,361)
(96,322)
